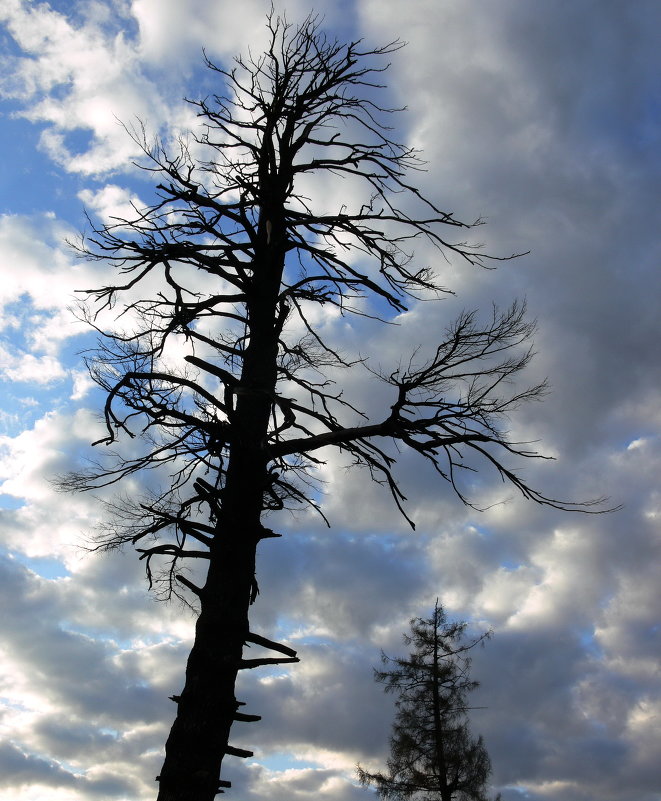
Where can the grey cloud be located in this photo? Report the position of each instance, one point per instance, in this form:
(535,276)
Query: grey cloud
(542,119)
(19,769)
(68,667)
(110,786)
(330,703)
(71,737)
(300,784)
(567,198)
(340,583)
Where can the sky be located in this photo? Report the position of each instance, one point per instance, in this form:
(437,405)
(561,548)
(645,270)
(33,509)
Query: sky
(544,119)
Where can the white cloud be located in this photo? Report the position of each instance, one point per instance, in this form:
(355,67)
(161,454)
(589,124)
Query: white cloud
(172,30)
(80,76)
(33,369)
(112,203)
(48,524)
(82,384)
(533,117)
(39,279)
(34,261)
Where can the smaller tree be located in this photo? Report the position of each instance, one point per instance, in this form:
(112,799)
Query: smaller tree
(433,756)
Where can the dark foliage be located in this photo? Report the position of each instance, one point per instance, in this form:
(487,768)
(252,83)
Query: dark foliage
(433,756)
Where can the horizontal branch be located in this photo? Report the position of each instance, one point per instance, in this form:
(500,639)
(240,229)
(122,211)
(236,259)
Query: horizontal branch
(224,375)
(173,550)
(340,437)
(249,664)
(237,752)
(257,639)
(242,717)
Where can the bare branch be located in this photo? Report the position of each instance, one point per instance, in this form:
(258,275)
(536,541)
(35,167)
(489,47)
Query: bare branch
(221,387)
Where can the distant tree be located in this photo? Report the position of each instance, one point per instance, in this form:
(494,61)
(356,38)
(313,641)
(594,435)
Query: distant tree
(223,382)
(433,756)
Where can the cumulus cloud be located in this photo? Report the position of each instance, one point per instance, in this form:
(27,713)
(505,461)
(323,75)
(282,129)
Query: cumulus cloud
(541,119)
(80,75)
(89,74)
(35,261)
(112,203)
(29,368)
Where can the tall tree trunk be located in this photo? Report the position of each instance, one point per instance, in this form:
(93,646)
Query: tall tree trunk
(207,707)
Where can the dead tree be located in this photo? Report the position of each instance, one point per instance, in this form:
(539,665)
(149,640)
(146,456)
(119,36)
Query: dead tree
(228,264)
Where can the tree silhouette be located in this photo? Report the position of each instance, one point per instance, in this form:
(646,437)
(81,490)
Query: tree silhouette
(433,756)
(219,385)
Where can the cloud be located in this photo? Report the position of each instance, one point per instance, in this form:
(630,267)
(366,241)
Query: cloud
(112,203)
(35,261)
(555,167)
(40,277)
(541,119)
(171,30)
(19,769)
(28,368)
(86,75)
(80,75)
(82,384)
(65,664)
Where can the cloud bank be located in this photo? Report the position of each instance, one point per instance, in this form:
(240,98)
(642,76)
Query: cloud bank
(544,120)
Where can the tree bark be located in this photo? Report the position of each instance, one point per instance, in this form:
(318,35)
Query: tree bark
(199,737)
(198,740)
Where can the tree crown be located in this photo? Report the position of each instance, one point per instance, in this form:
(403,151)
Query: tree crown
(230,264)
